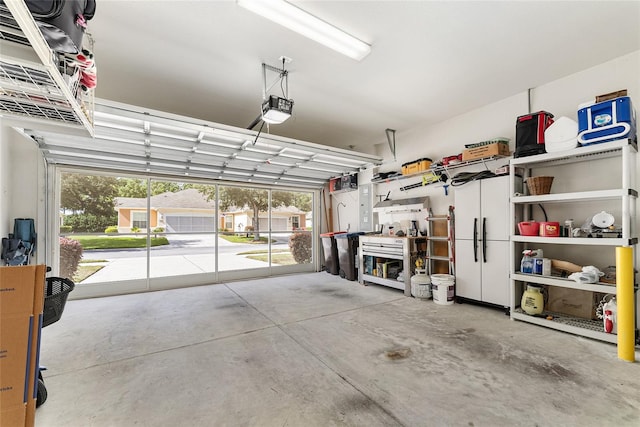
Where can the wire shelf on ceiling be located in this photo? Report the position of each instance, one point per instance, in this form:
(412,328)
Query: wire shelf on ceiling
(35,85)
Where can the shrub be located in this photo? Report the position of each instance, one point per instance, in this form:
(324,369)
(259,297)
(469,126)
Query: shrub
(88,223)
(158,230)
(300,245)
(66,229)
(135,230)
(70,256)
(111,229)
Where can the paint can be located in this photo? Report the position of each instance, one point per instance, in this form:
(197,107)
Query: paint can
(443,288)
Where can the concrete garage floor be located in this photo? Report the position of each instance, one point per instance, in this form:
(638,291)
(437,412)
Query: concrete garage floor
(317,350)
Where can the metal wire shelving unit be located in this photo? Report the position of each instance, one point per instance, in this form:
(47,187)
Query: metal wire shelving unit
(35,86)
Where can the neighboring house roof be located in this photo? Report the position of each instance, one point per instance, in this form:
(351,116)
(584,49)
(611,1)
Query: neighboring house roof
(189,198)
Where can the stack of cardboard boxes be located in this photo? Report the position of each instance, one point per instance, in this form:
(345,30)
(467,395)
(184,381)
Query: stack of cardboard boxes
(21,307)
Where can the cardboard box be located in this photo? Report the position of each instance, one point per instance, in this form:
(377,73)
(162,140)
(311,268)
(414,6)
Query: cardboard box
(611,95)
(495,149)
(573,302)
(14,416)
(15,352)
(16,290)
(22,304)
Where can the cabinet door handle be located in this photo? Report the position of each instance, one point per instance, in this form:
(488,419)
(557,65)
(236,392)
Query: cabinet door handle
(475,239)
(484,239)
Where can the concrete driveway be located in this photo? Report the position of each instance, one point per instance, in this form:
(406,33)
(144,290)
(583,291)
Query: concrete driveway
(186,254)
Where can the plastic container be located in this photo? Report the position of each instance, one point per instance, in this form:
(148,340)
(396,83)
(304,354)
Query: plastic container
(532,301)
(330,249)
(421,284)
(529,228)
(550,229)
(443,288)
(347,244)
(526,263)
(416,166)
(606,121)
(561,135)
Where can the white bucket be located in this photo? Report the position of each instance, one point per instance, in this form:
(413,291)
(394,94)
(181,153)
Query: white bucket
(442,288)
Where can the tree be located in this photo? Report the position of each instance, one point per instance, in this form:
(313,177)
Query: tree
(137,188)
(302,201)
(88,194)
(131,187)
(255,199)
(159,187)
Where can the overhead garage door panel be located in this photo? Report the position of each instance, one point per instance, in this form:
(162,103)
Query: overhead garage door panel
(279,224)
(190,224)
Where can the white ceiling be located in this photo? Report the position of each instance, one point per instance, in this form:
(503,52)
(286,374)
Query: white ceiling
(429,61)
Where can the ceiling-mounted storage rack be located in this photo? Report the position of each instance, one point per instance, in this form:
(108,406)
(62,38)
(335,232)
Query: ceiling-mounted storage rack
(34,89)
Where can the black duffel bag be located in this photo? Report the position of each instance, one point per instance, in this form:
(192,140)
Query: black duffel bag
(62,22)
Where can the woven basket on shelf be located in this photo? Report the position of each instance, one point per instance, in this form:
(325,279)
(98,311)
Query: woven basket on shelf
(539,185)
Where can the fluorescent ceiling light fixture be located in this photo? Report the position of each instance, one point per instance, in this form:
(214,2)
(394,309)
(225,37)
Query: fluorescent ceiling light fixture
(296,19)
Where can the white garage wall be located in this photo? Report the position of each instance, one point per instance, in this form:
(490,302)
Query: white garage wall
(22,185)
(560,97)
(4,179)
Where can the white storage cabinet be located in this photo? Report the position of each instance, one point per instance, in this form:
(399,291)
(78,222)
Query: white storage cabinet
(482,231)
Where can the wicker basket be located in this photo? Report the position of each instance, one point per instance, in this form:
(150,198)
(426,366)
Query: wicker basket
(539,185)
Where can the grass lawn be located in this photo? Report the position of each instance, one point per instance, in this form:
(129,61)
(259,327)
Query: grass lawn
(278,256)
(85,271)
(117,242)
(280,259)
(234,238)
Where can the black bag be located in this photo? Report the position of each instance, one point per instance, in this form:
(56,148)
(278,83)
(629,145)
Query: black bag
(62,22)
(530,133)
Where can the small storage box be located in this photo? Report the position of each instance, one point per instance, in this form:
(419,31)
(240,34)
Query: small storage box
(490,150)
(335,184)
(416,166)
(550,229)
(349,182)
(606,121)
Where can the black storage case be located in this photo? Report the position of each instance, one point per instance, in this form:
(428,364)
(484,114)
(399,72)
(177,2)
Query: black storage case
(530,133)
